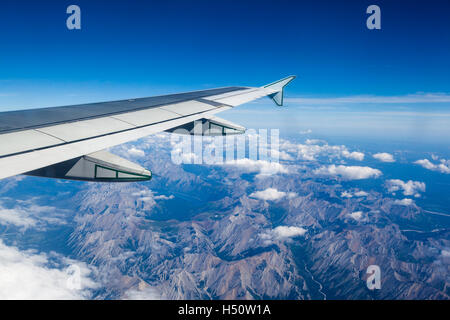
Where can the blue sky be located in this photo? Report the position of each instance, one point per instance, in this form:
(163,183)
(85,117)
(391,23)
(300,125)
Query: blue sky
(141,48)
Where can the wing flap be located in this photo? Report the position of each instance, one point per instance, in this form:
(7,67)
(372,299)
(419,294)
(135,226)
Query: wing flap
(213,126)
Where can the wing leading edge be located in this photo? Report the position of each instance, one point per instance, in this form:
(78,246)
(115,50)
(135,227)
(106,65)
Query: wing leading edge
(35,141)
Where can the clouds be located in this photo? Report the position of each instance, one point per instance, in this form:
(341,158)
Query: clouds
(348,194)
(312,149)
(384,157)
(443,166)
(149,196)
(164,197)
(409,188)
(353,155)
(348,172)
(275,154)
(404,202)
(135,152)
(282,233)
(357,215)
(262,167)
(29,275)
(17,218)
(148,293)
(272,194)
(27,214)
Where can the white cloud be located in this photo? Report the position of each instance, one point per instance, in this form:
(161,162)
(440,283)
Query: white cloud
(353,155)
(443,166)
(348,172)
(29,275)
(349,194)
(27,214)
(163,197)
(292,195)
(271,194)
(384,157)
(409,188)
(142,193)
(263,167)
(427,164)
(404,202)
(282,233)
(190,158)
(147,293)
(315,141)
(136,152)
(275,154)
(314,148)
(357,215)
(307,131)
(16,217)
(309,152)
(147,195)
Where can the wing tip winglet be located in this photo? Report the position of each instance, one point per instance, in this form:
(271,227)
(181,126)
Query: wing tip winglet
(277,89)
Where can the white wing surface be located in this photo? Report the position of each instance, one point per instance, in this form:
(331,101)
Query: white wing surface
(64,142)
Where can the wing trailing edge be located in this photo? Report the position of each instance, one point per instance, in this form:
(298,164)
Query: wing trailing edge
(213,126)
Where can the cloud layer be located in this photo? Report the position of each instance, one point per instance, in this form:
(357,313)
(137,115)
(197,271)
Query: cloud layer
(262,167)
(348,172)
(27,214)
(312,149)
(443,166)
(282,233)
(409,188)
(404,202)
(384,157)
(349,194)
(357,215)
(272,194)
(29,275)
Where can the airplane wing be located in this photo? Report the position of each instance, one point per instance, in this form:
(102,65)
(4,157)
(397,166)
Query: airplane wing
(68,142)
